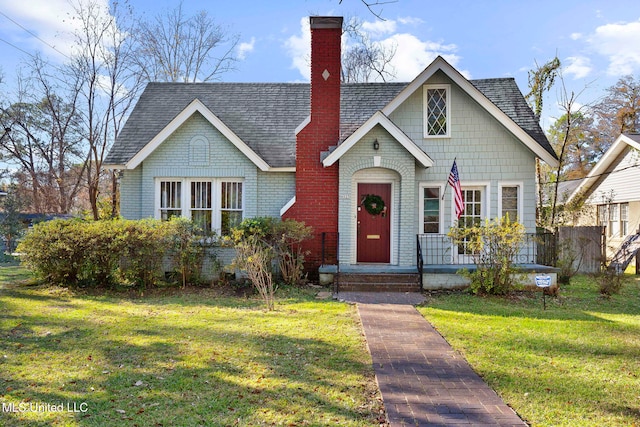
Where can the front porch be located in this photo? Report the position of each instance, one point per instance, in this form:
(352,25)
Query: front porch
(437,263)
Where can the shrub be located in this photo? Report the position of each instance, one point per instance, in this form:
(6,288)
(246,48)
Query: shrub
(288,235)
(77,252)
(609,281)
(255,255)
(54,250)
(493,246)
(144,244)
(188,249)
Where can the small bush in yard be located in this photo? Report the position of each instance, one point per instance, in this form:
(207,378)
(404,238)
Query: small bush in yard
(609,282)
(287,237)
(262,242)
(493,246)
(255,256)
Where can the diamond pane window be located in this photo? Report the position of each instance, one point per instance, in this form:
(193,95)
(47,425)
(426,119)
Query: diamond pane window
(437,111)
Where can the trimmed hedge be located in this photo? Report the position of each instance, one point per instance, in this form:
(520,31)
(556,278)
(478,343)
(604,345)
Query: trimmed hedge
(102,253)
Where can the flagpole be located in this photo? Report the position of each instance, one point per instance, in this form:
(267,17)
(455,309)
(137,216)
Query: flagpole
(446,186)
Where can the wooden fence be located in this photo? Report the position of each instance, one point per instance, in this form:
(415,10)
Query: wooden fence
(584,246)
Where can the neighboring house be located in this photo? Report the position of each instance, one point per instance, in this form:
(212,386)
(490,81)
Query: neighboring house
(611,191)
(220,152)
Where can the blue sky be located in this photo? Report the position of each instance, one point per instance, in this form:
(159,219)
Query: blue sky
(597,41)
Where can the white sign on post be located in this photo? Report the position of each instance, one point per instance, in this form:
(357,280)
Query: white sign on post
(543,281)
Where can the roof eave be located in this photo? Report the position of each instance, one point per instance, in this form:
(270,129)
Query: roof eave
(378,118)
(196,106)
(440,64)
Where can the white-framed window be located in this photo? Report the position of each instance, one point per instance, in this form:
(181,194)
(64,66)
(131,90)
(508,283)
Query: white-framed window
(201,206)
(474,212)
(624,219)
(170,199)
(602,215)
(230,206)
(510,200)
(437,111)
(215,204)
(431,213)
(614,220)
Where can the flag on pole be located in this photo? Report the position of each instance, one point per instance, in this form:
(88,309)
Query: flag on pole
(454,182)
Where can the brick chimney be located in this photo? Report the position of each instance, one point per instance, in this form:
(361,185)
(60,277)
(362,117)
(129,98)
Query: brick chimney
(317,186)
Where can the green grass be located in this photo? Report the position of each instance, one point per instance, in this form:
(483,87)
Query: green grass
(577,363)
(183,358)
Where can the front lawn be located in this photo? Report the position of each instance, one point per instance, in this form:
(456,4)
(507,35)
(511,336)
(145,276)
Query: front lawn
(575,364)
(181,358)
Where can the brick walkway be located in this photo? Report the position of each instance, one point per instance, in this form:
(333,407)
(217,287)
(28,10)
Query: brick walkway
(422,380)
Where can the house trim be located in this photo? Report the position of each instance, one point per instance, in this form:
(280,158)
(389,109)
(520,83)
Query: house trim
(519,185)
(430,184)
(196,106)
(425,100)
(287,206)
(381,119)
(439,64)
(604,164)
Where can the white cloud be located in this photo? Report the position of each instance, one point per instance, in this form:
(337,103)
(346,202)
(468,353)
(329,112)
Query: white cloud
(575,36)
(577,66)
(246,47)
(298,48)
(52,21)
(619,43)
(379,28)
(410,20)
(412,55)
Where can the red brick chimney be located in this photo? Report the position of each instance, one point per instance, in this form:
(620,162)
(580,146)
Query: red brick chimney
(316,186)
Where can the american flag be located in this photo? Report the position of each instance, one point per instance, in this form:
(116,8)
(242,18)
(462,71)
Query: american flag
(454,182)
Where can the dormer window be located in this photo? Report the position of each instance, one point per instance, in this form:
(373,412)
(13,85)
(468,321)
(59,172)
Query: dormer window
(436,108)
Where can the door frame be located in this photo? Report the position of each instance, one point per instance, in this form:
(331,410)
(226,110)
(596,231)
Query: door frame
(392,216)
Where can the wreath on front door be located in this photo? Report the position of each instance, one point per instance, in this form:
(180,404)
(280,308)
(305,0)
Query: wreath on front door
(373,204)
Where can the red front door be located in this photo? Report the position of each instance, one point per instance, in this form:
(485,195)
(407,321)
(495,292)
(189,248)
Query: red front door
(374,230)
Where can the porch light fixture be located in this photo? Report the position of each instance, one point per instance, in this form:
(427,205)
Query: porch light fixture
(376,145)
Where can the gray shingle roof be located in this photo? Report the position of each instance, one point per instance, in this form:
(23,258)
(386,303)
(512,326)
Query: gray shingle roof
(506,95)
(265,115)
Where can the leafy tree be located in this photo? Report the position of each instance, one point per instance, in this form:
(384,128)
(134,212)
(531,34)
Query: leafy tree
(579,156)
(618,112)
(541,80)
(11,225)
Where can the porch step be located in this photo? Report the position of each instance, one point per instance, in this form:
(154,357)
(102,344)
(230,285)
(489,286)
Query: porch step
(378,282)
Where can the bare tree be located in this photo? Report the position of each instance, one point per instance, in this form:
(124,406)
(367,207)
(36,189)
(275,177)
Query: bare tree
(567,129)
(177,48)
(44,141)
(363,59)
(109,84)
(375,6)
